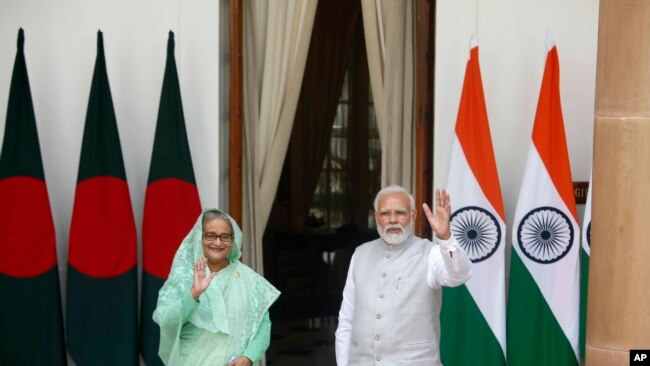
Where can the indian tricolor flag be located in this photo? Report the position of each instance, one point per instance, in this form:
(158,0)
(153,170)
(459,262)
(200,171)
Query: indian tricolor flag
(473,315)
(584,269)
(543,309)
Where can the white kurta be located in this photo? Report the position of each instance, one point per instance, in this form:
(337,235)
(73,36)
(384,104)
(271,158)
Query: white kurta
(391,301)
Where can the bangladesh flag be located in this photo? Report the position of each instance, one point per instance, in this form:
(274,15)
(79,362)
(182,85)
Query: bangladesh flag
(473,314)
(31,328)
(171,203)
(102,278)
(543,298)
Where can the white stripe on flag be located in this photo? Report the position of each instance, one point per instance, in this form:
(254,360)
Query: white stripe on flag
(487,285)
(586,222)
(558,281)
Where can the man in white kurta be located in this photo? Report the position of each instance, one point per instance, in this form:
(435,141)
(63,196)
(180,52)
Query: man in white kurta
(391,300)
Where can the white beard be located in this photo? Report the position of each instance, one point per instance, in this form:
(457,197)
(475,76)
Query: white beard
(398,238)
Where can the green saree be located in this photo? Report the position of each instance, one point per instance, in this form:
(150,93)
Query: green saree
(229,320)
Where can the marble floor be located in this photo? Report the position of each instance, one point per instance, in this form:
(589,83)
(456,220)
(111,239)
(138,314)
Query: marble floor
(302,342)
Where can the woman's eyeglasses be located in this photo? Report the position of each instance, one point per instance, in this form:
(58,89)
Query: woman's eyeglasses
(225,237)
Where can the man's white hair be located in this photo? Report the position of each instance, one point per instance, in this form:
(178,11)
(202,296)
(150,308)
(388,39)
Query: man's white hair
(394,189)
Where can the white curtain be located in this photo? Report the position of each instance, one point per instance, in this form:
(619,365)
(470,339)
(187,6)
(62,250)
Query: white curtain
(390,39)
(276,41)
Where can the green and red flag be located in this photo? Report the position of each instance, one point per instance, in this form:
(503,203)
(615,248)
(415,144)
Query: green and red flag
(102,258)
(31,327)
(171,202)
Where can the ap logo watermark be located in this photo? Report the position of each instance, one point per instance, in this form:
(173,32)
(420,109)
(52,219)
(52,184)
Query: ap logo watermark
(639,357)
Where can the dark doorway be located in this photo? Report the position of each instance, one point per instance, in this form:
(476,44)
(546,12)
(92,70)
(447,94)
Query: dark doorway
(323,206)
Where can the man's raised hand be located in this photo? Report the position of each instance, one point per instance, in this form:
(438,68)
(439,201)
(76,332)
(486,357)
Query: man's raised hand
(439,220)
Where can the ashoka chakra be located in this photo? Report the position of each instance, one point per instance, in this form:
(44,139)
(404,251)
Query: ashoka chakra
(477,232)
(545,235)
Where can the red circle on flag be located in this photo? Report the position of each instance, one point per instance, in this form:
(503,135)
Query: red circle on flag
(27,241)
(171,208)
(103,239)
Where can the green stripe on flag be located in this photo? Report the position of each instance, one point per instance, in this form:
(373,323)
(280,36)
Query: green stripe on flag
(150,330)
(31,327)
(21,153)
(466,338)
(171,151)
(102,312)
(534,334)
(584,284)
(101,154)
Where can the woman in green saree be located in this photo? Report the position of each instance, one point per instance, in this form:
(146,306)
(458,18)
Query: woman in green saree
(213,309)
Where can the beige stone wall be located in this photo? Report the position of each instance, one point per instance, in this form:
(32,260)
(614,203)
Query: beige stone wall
(618,316)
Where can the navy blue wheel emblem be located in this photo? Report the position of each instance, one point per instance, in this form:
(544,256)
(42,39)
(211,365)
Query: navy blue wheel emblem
(477,231)
(545,235)
(589,234)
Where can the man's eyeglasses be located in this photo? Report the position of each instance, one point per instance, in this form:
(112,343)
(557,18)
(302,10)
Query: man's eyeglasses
(225,237)
(399,213)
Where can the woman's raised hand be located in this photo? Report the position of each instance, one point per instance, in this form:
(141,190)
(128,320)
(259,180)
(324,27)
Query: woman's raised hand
(201,282)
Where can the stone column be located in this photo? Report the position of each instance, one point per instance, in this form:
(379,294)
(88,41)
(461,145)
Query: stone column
(618,315)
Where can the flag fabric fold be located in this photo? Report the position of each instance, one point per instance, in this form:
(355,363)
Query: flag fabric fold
(473,314)
(171,202)
(101,311)
(31,325)
(585,252)
(543,298)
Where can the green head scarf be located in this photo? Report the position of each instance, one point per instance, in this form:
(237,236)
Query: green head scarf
(209,315)
(197,234)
